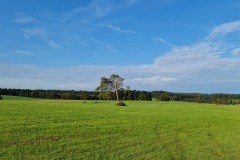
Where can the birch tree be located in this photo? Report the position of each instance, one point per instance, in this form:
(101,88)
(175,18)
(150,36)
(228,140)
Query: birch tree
(113,83)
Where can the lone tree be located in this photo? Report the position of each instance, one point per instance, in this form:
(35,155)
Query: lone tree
(113,83)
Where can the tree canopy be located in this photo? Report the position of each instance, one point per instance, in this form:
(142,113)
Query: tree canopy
(113,83)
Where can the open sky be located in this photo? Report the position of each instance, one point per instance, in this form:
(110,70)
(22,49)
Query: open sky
(172,45)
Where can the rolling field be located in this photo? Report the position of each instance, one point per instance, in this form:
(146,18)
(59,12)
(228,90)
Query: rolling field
(57,129)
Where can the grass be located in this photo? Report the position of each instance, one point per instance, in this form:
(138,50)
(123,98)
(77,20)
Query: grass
(57,129)
(19,98)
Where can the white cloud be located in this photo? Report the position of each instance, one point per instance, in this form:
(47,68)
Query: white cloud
(98,9)
(54,44)
(207,64)
(224,29)
(102,7)
(121,30)
(22,83)
(189,58)
(26,35)
(164,42)
(155,80)
(40,34)
(35,32)
(82,77)
(22,52)
(236,51)
(21,18)
(104,46)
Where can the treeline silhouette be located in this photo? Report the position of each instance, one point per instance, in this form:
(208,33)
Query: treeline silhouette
(215,98)
(77,95)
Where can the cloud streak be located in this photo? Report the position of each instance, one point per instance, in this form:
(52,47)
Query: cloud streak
(164,42)
(35,32)
(155,80)
(21,18)
(97,9)
(53,44)
(41,34)
(22,52)
(118,29)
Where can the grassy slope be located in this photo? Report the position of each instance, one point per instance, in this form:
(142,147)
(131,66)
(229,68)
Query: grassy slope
(50,129)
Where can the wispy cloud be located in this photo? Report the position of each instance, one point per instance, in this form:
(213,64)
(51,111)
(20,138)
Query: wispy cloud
(35,32)
(236,51)
(21,18)
(98,9)
(103,45)
(155,80)
(164,42)
(224,29)
(206,63)
(22,52)
(131,2)
(40,34)
(26,35)
(102,7)
(54,44)
(118,29)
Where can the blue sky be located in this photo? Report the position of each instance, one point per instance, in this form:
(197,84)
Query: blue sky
(173,45)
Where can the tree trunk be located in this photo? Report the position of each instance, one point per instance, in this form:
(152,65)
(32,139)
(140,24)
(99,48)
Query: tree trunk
(115,85)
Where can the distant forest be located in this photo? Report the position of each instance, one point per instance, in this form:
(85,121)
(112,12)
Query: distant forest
(77,95)
(216,98)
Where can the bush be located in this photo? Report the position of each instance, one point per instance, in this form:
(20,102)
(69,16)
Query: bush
(0,97)
(164,97)
(121,104)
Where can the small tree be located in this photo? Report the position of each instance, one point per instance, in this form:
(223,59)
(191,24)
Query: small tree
(164,97)
(84,96)
(0,97)
(113,83)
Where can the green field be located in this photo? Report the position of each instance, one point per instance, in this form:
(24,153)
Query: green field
(58,129)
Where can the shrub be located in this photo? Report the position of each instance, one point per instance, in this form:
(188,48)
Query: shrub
(121,104)
(164,97)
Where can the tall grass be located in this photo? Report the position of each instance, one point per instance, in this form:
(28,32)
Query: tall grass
(52,129)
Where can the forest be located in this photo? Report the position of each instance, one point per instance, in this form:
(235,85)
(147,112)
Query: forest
(214,98)
(77,95)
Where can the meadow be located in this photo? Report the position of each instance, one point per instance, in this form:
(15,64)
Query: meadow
(58,129)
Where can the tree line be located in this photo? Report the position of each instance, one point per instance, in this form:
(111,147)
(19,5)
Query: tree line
(126,95)
(214,98)
(77,95)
